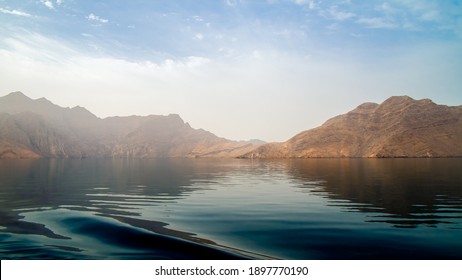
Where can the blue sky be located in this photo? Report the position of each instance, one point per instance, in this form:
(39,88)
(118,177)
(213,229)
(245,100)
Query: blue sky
(241,69)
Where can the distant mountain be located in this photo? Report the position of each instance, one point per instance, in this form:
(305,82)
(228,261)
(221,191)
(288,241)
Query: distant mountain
(399,127)
(38,128)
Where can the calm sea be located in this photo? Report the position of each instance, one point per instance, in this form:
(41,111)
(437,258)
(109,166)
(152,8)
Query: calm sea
(227,209)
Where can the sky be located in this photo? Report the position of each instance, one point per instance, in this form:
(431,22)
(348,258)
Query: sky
(241,69)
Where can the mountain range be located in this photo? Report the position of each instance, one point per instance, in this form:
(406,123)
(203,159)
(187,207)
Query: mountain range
(38,128)
(398,127)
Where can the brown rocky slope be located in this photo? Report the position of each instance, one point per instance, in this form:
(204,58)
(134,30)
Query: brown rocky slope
(38,128)
(399,127)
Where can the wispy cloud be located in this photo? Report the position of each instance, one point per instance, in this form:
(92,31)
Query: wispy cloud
(340,15)
(93,17)
(180,85)
(177,85)
(377,22)
(420,12)
(422,9)
(15,12)
(433,15)
(198,18)
(199,36)
(47,4)
(311,4)
(59,2)
(387,9)
(231,3)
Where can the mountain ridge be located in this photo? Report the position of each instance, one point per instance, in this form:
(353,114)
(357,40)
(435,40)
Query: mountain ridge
(34,128)
(398,127)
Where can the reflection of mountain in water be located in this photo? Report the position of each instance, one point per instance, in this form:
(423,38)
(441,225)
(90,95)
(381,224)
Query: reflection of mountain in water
(101,200)
(409,192)
(179,208)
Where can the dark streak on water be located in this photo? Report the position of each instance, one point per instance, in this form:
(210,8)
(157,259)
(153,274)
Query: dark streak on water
(228,209)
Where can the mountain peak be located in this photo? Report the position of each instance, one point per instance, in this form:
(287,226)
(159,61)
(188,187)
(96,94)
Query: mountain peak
(365,107)
(402,102)
(398,99)
(16,95)
(427,101)
(82,112)
(396,103)
(43,100)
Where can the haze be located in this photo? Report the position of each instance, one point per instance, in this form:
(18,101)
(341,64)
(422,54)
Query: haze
(240,69)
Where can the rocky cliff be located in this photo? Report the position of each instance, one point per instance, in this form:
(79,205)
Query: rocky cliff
(38,128)
(399,127)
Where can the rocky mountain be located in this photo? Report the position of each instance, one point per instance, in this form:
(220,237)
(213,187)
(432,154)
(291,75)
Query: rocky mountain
(38,128)
(399,127)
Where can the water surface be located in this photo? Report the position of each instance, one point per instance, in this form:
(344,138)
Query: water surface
(226,209)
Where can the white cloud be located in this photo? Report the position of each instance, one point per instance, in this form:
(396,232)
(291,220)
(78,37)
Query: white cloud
(333,27)
(379,23)
(93,17)
(15,12)
(388,9)
(47,4)
(311,4)
(242,93)
(198,18)
(231,3)
(199,36)
(421,8)
(59,2)
(194,87)
(432,15)
(417,15)
(427,11)
(340,15)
